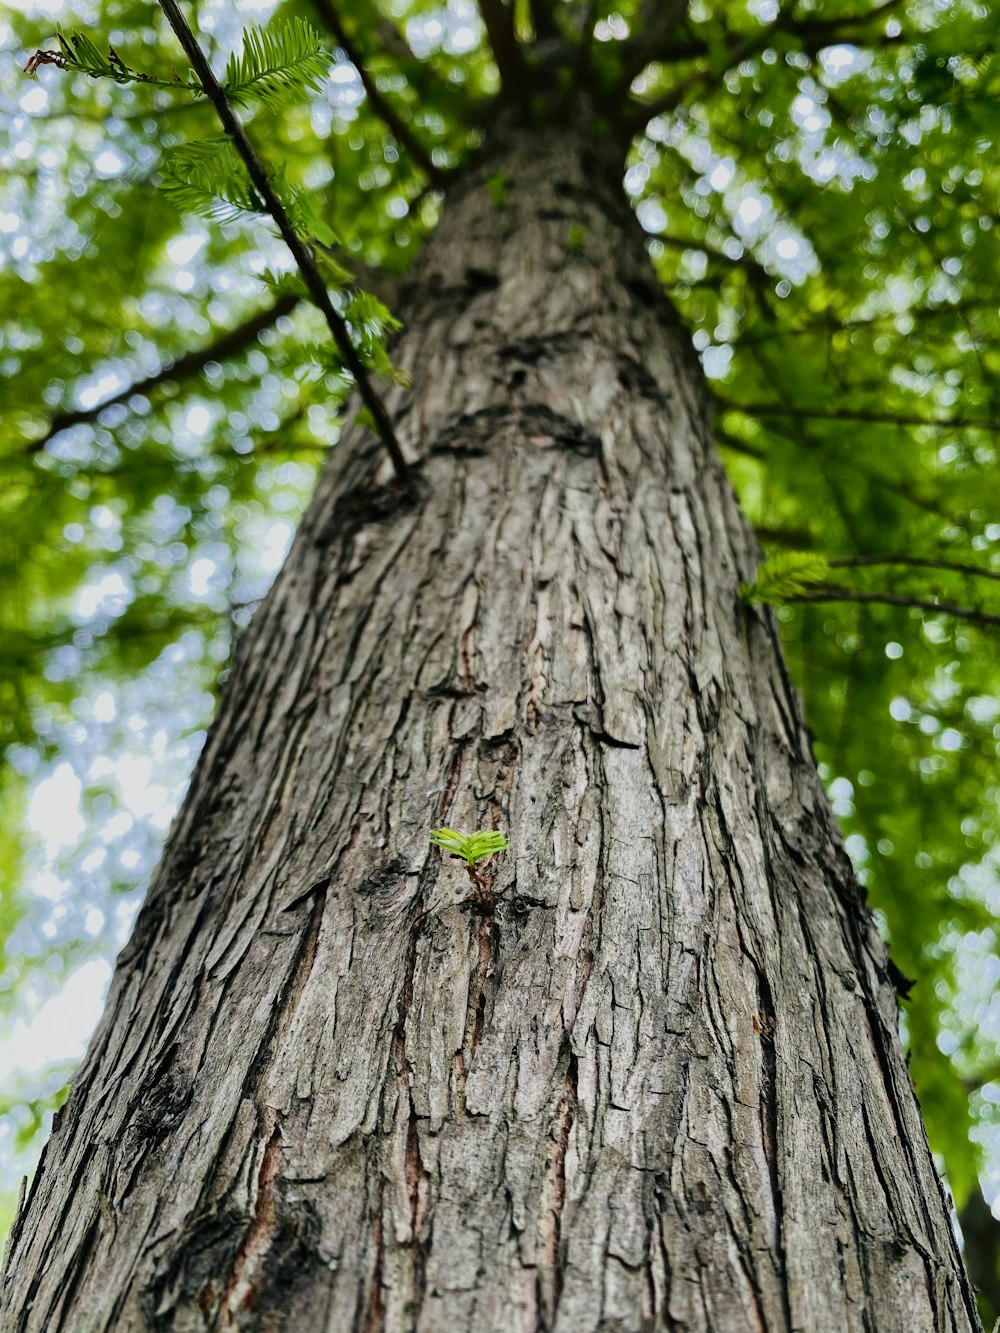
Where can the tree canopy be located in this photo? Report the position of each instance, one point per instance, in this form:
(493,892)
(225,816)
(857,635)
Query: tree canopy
(819,187)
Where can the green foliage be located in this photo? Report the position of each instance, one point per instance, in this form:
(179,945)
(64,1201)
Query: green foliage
(277,64)
(469,847)
(208,177)
(783,576)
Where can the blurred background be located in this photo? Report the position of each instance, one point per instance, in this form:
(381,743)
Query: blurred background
(820,194)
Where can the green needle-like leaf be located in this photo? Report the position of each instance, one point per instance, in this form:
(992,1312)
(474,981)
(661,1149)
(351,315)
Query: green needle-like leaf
(277,64)
(785,575)
(208,177)
(470,847)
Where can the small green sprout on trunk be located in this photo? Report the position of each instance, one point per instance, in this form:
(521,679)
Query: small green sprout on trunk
(497,187)
(472,848)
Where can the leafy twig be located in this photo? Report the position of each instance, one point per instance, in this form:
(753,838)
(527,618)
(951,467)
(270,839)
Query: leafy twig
(301,252)
(782,576)
(796,576)
(275,64)
(78,53)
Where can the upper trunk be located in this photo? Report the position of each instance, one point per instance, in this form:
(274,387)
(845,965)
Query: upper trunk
(658,1083)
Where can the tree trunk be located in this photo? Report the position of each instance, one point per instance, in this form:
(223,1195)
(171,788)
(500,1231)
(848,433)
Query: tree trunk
(653,1079)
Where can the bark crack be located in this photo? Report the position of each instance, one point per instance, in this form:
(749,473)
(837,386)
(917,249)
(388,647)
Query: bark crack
(550,1274)
(240,1290)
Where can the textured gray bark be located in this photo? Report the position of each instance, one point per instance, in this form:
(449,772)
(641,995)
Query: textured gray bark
(659,1085)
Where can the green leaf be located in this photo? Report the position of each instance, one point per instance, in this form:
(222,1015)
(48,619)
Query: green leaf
(469,847)
(80,54)
(306,220)
(783,576)
(277,64)
(85,56)
(208,177)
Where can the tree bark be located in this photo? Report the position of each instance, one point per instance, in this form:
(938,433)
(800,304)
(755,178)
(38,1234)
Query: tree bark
(655,1081)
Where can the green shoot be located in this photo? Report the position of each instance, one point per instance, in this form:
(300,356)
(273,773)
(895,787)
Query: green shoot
(469,847)
(79,54)
(275,67)
(575,238)
(497,187)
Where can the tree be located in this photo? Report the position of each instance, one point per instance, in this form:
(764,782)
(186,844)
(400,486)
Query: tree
(650,1073)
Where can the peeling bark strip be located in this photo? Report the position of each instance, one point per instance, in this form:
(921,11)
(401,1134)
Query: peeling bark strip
(659,1084)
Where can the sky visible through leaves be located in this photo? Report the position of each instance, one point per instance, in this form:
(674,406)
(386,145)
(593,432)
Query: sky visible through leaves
(820,192)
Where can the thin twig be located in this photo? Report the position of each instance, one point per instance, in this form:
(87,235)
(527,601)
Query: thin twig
(300,251)
(401,131)
(727,440)
(914,561)
(897,599)
(857,414)
(181,367)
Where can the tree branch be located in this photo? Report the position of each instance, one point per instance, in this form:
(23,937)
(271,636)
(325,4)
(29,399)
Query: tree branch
(834,594)
(802,540)
(815,33)
(300,251)
(913,561)
(644,112)
(728,440)
(587,25)
(400,129)
(543,19)
(180,367)
(857,414)
(830,327)
(656,24)
(498,20)
(991,1074)
(796,539)
(747,261)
